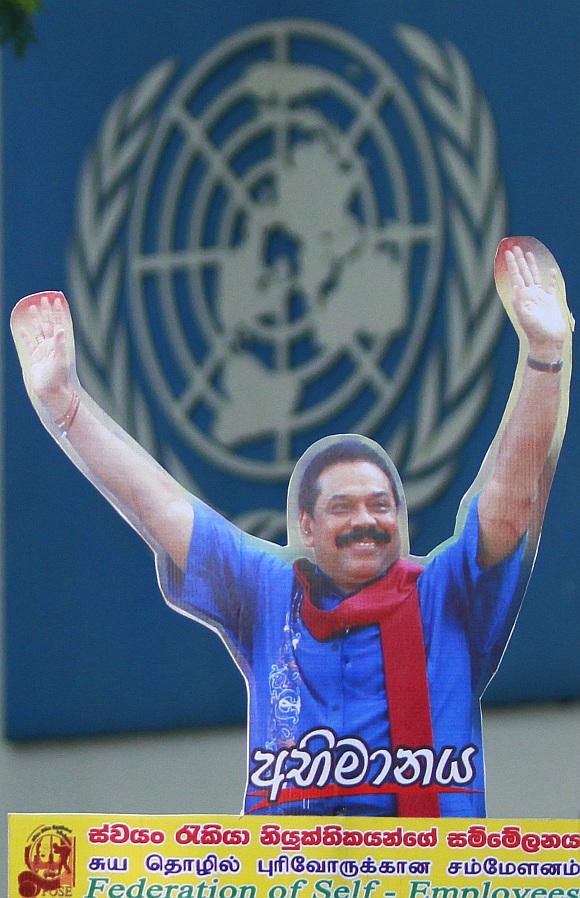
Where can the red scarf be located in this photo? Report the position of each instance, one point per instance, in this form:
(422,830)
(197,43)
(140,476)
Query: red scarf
(392,603)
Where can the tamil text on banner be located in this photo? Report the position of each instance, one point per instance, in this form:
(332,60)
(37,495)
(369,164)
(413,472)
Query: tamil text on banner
(92,856)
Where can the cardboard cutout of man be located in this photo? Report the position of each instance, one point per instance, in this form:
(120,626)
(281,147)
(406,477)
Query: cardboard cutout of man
(364,669)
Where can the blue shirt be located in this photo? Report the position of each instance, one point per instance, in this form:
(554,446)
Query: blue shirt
(313,703)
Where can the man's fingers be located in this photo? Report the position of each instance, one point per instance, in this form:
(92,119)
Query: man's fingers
(42,320)
(28,340)
(513,270)
(59,340)
(58,314)
(533,265)
(35,322)
(523,266)
(45,321)
(46,315)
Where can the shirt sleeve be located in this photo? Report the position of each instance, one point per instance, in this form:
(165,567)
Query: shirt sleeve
(220,586)
(483,602)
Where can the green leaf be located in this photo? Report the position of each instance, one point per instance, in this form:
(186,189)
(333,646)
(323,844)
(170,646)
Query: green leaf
(15,25)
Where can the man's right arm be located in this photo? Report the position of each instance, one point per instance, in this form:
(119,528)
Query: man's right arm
(136,485)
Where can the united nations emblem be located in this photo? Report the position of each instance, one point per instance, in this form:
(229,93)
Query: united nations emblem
(291,242)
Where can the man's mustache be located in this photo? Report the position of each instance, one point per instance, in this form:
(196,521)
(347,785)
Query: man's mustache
(360,534)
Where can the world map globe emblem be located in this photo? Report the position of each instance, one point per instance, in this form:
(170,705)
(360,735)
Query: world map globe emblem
(285,245)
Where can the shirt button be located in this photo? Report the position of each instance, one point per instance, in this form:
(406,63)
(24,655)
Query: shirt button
(335,646)
(335,708)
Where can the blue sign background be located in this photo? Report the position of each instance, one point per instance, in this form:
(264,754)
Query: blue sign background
(90,646)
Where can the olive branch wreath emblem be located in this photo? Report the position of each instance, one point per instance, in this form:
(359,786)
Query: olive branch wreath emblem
(455,383)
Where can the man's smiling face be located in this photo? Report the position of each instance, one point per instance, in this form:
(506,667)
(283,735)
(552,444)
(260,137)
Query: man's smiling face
(353,528)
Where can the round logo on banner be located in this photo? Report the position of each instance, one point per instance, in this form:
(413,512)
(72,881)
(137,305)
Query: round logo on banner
(281,224)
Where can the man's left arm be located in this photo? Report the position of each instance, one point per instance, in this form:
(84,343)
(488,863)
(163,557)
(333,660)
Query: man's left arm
(510,497)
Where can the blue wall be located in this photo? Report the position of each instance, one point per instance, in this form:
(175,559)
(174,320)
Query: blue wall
(90,645)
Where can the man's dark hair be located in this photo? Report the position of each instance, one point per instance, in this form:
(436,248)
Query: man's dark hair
(343,451)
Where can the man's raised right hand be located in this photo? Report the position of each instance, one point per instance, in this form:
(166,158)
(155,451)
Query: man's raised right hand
(42,329)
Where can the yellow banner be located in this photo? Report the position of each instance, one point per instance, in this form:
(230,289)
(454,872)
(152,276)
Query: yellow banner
(104,856)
